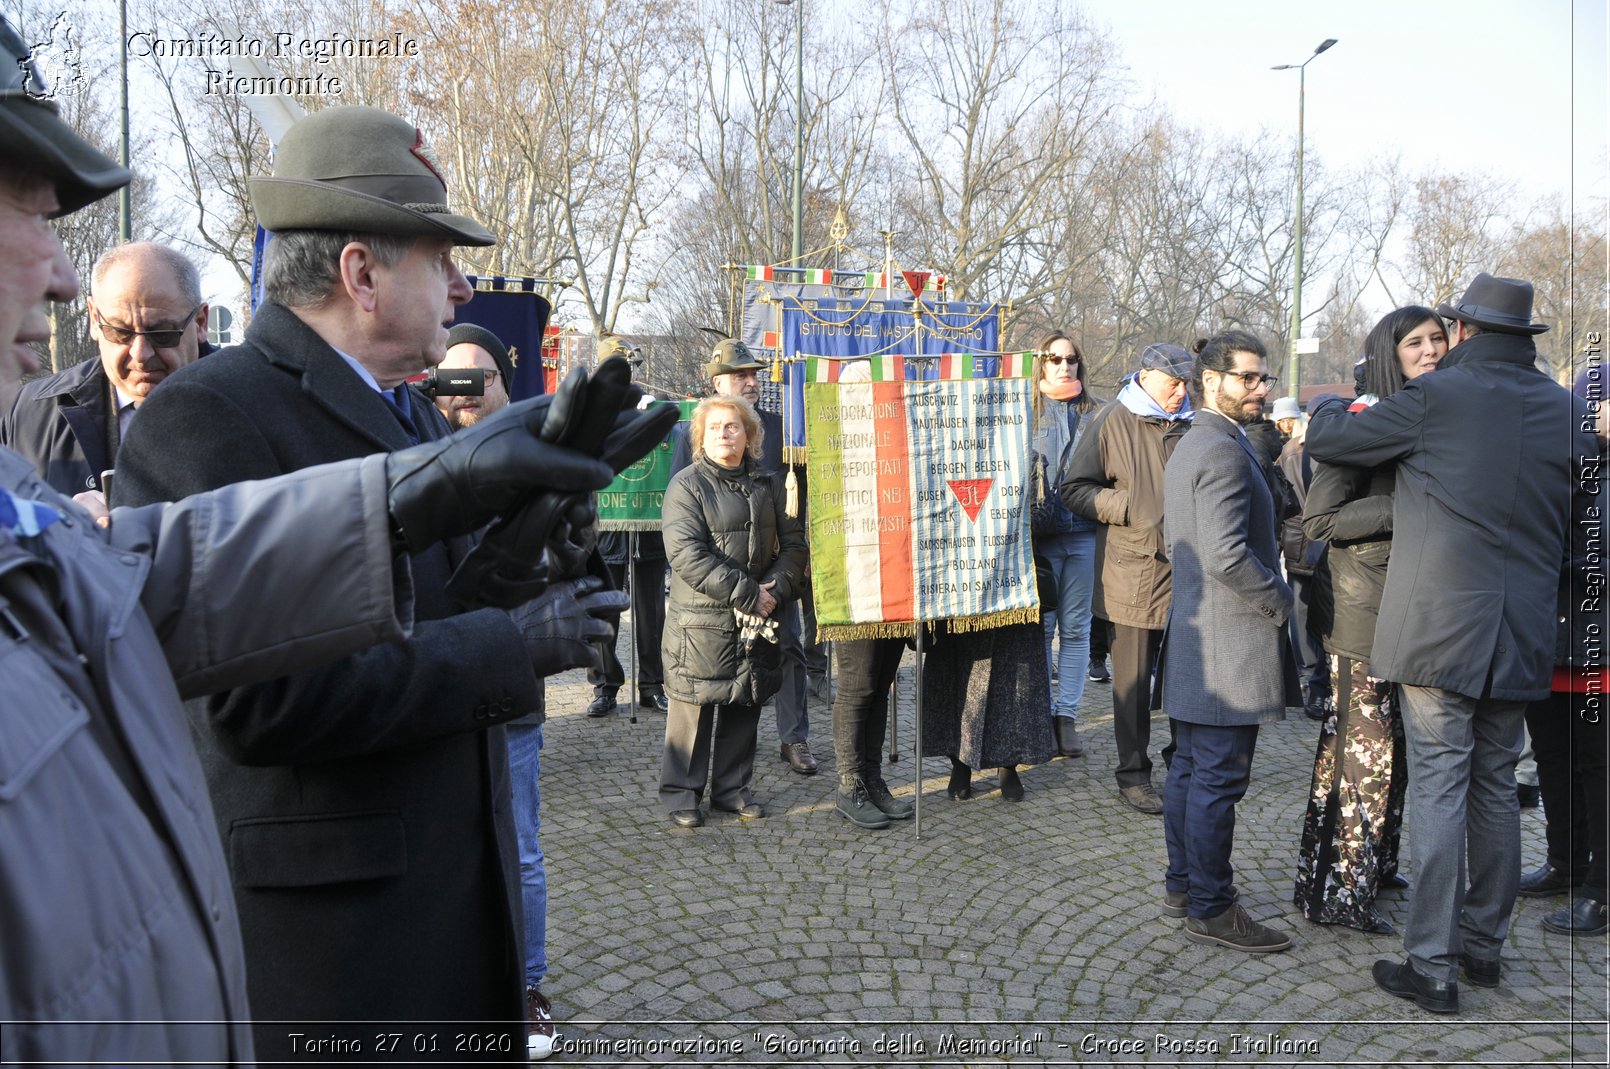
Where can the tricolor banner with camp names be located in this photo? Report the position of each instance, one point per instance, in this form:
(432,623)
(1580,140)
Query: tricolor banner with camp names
(891,367)
(918,504)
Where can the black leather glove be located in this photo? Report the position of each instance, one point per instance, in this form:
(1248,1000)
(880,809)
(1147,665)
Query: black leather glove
(565,627)
(597,415)
(459,484)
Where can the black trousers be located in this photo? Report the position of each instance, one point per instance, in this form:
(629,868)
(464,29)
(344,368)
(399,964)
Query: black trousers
(1134,657)
(691,733)
(1313,664)
(1571,774)
(648,625)
(866,670)
(1100,639)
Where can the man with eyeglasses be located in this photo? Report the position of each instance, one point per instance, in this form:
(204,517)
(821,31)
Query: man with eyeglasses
(472,346)
(1226,664)
(1116,478)
(148,319)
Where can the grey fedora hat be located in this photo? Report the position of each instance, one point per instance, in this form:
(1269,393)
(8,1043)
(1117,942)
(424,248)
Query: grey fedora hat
(364,169)
(1492,303)
(34,139)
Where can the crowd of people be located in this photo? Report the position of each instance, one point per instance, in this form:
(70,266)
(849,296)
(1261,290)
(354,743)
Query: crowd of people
(266,790)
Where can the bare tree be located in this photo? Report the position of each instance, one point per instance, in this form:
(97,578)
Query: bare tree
(986,131)
(1563,255)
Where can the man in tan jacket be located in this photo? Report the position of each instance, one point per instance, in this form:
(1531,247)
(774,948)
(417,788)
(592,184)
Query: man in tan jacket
(1116,478)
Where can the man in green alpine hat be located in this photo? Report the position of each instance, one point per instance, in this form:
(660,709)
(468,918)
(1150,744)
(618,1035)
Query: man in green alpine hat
(358,800)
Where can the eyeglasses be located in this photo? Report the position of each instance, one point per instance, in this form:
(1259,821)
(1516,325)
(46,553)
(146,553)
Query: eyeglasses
(1250,380)
(159,339)
(1074,360)
(492,376)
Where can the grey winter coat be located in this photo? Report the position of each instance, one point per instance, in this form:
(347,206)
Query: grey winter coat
(1485,448)
(725,534)
(1226,658)
(115,900)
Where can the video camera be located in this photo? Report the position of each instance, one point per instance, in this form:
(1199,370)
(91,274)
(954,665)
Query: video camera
(453,382)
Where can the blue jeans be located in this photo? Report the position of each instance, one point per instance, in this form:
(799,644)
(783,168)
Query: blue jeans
(1073,564)
(525,765)
(1210,771)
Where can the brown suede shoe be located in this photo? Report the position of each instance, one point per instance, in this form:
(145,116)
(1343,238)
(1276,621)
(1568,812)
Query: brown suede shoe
(1234,929)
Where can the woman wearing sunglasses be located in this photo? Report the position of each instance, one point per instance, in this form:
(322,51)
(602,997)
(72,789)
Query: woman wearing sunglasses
(1064,542)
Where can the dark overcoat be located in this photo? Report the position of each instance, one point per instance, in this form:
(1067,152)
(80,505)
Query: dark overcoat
(1486,447)
(364,807)
(1226,657)
(59,423)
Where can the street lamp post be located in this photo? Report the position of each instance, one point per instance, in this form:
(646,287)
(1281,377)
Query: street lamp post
(1292,369)
(799,127)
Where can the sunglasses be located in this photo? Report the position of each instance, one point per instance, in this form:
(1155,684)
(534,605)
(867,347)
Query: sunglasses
(1062,360)
(1250,380)
(159,339)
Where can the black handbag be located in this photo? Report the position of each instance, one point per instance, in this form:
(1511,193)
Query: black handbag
(1045,581)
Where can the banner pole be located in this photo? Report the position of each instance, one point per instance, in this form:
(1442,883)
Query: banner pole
(917,745)
(631,588)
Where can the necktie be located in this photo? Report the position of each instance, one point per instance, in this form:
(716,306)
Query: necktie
(397,401)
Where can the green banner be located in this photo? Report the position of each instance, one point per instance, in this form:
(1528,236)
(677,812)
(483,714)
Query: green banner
(633,502)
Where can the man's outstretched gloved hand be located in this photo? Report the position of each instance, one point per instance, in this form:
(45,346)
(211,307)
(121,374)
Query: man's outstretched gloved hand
(460,484)
(565,627)
(605,414)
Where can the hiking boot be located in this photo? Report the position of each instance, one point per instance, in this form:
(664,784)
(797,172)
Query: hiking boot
(894,808)
(856,806)
(1234,929)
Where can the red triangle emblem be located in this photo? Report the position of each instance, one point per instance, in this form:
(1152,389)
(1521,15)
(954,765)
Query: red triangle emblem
(917,280)
(972,494)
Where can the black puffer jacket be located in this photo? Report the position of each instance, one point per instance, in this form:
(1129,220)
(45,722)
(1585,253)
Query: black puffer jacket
(1351,509)
(725,534)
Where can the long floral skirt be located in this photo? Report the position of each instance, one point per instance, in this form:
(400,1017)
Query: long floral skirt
(1355,806)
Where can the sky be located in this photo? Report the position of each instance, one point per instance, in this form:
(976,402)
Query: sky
(1459,86)
(1517,90)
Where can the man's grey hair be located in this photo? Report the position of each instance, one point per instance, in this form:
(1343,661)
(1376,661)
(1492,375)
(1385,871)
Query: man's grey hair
(180,266)
(301,267)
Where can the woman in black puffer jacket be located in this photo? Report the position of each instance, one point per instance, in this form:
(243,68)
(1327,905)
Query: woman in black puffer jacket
(733,550)
(1349,847)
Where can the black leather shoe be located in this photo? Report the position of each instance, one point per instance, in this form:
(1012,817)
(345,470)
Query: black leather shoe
(1582,917)
(603,704)
(1544,881)
(1401,980)
(688,818)
(1480,971)
(799,758)
(1529,795)
(657,702)
(747,811)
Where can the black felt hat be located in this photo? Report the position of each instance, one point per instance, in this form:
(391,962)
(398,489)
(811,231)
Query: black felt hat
(1498,304)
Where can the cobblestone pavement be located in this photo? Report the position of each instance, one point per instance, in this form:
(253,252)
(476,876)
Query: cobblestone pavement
(1024,934)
